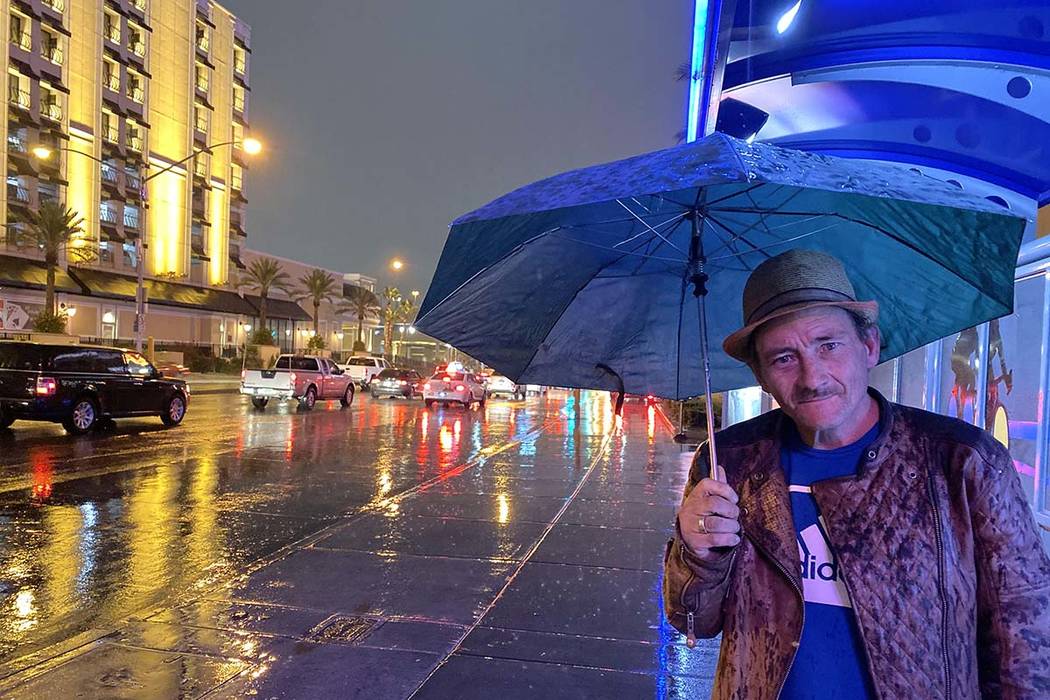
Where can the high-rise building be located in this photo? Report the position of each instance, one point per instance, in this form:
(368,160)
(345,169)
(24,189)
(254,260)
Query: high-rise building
(121,92)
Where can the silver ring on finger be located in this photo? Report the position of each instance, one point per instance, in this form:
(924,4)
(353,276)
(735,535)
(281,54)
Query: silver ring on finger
(702,524)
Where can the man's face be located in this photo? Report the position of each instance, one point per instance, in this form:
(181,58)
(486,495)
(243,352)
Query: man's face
(816,367)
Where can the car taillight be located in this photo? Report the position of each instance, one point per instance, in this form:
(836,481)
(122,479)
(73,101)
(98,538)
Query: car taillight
(460,387)
(46,386)
(244,373)
(403,382)
(447,379)
(293,377)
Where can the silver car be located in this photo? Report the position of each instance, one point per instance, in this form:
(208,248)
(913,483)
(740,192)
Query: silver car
(452,387)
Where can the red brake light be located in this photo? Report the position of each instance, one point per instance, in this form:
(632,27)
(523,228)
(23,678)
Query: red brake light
(46,386)
(402,382)
(447,379)
(460,387)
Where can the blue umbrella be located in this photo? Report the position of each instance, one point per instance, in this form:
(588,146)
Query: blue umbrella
(612,277)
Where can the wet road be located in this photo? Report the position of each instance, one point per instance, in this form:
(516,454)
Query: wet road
(380,550)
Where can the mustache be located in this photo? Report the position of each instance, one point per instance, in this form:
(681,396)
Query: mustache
(813,394)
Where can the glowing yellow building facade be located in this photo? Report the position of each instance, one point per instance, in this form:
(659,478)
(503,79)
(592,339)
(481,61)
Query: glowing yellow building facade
(121,92)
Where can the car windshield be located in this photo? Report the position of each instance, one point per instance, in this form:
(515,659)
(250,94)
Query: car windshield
(394,374)
(362,362)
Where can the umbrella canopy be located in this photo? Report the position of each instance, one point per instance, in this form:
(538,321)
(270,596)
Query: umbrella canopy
(584,279)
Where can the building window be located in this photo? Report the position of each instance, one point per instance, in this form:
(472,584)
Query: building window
(200,165)
(48,192)
(111,26)
(110,172)
(131,217)
(200,118)
(56,5)
(20,35)
(18,87)
(201,77)
(51,48)
(134,131)
(240,59)
(238,98)
(49,103)
(107,212)
(238,134)
(139,5)
(18,140)
(136,40)
(237,177)
(111,74)
(105,253)
(17,190)
(132,180)
(130,256)
(136,87)
(110,132)
(203,37)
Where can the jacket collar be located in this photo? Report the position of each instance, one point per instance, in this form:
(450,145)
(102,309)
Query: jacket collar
(763,489)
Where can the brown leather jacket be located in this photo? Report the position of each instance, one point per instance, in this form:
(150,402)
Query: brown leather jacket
(940,553)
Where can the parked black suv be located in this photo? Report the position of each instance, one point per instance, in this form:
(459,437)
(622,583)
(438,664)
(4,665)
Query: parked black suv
(78,385)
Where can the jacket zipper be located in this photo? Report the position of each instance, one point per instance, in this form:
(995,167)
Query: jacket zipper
(940,584)
(802,606)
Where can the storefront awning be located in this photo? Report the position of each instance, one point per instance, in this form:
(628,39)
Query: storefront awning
(24,273)
(108,285)
(280,308)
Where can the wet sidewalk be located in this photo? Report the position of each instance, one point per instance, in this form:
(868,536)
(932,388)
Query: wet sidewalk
(531,571)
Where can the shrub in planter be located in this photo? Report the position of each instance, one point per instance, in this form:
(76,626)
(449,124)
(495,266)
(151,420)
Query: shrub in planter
(316,342)
(48,322)
(261,336)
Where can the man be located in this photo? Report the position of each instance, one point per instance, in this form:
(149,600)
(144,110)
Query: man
(855,548)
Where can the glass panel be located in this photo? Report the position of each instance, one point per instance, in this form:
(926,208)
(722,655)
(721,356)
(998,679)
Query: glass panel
(959,362)
(1015,361)
(138,365)
(881,379)
(913,377)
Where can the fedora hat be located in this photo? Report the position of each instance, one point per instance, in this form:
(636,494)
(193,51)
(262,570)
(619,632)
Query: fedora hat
(792,281)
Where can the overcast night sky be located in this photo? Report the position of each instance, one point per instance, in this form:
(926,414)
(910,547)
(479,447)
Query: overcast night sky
(385,119)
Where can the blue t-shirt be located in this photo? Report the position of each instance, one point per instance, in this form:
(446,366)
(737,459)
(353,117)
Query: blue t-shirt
(830,661)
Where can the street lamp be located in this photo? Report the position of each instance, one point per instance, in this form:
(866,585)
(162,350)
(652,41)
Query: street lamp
(396,264)
(251,146)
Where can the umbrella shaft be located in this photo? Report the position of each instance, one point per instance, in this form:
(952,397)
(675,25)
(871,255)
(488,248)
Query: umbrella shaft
(708,403)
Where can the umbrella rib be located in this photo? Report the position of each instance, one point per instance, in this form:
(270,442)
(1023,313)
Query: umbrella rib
(734,194)
(735,236)
(643,223)
(774,244)
(676,217)
(615,250)
(729,244)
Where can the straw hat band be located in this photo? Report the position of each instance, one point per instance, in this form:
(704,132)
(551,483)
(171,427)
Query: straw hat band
(796,296)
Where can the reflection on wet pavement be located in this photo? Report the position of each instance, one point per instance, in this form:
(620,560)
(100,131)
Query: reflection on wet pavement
(233,555)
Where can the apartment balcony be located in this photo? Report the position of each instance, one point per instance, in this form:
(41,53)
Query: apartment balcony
(203,42)
(131,220)
(18,97)
(54,54)
(16,144)
(110,175)
(111,134)
(111,81)
(135,142)
(139,5)
(132,181)
(51,110)
(137,46)
(238,102)
(56,5)
(48,192)
(136,94)
(201,83)
(108,215)
(17,194)
(112,33)
(23,40)
(240,66)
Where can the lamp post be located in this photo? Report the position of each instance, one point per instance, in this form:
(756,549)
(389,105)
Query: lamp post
(251,146)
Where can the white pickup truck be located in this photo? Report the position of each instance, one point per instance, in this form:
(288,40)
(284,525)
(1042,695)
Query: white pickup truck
(362,369)
(307,379)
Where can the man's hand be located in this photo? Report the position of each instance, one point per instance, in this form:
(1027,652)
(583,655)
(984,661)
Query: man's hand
(709,518)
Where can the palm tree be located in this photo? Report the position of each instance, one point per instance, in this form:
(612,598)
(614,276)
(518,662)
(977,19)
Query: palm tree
(391,314)
(54,229)
(262,275)
(318,286)
(361,303)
